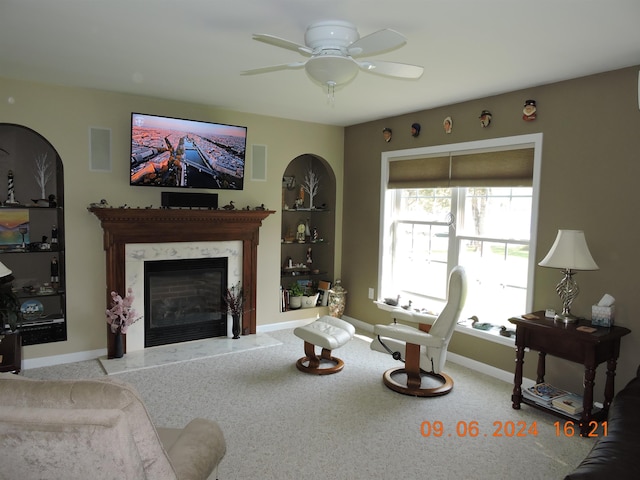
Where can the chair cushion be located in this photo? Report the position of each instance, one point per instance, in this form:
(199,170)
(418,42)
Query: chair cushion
(326,332)
(95,394)
(66,444)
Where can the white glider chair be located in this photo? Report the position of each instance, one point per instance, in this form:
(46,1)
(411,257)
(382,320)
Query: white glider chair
(423,349)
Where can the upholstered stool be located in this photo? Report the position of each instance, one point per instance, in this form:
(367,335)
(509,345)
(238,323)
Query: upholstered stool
(326,332)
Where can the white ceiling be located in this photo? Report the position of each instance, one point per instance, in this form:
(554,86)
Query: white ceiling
(194,50)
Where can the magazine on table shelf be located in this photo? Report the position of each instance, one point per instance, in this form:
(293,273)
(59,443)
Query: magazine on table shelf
(543,393)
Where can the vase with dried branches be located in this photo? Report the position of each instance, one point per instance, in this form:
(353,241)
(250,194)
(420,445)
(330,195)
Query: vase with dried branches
(234,300)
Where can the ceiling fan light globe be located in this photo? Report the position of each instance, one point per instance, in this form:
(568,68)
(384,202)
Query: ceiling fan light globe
(331,69)
(331,33)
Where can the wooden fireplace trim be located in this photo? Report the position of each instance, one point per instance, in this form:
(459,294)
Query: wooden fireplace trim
(152,225)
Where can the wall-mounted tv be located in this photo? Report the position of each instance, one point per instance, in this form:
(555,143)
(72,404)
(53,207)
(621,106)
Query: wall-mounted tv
(174,152)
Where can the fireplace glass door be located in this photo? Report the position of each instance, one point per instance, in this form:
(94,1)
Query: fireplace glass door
(183,300)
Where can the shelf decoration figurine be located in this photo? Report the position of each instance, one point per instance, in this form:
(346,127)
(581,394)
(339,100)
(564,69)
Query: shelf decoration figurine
(234,300)
(11,198)
(120,316)
(43,173)
(310,185)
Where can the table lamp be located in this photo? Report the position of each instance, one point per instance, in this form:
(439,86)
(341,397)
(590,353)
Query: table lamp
(569,252)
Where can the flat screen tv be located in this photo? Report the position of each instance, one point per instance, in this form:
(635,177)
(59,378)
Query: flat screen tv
(174,152)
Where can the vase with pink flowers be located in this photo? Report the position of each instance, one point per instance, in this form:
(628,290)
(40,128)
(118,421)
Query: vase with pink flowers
(120,316)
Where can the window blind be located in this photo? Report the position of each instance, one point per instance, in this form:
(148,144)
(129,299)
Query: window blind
(513,168)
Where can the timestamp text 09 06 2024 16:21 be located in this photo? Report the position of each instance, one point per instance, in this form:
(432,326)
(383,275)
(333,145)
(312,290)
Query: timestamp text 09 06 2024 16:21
(473,429)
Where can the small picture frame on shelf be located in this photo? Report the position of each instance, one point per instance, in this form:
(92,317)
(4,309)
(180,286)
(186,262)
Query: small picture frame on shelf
(14,231)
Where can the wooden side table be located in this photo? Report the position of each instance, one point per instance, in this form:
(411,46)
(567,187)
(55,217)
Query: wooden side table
(10,352)
(565,341)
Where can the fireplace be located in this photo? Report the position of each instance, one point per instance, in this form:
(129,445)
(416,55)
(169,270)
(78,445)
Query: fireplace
(183,300)
(124,227)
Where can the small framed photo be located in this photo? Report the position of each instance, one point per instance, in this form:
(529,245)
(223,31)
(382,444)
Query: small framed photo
(14,228)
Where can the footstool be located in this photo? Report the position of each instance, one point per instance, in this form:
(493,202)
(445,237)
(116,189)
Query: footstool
(326,332)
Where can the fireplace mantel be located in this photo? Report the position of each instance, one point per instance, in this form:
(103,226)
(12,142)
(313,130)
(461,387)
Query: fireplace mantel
(124,226)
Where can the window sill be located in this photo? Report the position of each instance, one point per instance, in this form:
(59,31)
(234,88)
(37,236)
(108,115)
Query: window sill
(489,335)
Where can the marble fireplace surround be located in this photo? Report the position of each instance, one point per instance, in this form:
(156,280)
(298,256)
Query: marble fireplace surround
(126,226)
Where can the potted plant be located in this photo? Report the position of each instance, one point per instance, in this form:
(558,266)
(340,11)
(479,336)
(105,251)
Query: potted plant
(310,297)
(295,296)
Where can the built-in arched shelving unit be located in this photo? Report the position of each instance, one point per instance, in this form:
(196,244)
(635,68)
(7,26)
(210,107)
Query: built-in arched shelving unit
(319,224)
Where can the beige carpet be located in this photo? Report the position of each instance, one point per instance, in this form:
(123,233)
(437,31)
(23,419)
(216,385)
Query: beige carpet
(283,424)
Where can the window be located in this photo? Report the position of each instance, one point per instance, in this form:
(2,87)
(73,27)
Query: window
(487,226)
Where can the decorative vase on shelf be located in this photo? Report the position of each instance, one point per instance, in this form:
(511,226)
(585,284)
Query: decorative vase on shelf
(235,327)
(118,348)
(337,300)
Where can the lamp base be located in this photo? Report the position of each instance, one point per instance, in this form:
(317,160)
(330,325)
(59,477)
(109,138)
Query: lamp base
(565,318)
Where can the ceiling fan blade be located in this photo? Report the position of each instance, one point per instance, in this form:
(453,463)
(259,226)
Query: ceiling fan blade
(282,43)
(377,42)
(392,69)
(274,68)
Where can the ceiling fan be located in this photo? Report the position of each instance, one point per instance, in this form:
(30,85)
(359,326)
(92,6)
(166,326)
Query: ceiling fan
(333,48)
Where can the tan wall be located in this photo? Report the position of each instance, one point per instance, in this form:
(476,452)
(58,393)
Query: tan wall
(63,116)
(590,172)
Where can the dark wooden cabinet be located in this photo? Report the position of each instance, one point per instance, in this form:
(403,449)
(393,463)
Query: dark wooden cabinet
(10,352)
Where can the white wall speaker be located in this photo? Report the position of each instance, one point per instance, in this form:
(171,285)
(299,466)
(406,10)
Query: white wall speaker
(259,162)
(99,149)
(639,89)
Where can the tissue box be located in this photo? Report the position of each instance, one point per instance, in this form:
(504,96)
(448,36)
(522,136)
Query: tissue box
(602,316)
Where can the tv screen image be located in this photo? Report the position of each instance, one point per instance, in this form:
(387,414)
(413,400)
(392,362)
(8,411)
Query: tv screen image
(174,152)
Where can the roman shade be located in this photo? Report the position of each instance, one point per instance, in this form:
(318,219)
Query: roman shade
(484,169)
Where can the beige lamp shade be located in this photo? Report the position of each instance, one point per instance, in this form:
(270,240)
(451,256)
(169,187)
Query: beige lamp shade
(4,271)
(569,251)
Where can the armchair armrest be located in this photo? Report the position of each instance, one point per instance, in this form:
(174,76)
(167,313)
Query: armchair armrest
(407,315)
(408,334)
(196,450)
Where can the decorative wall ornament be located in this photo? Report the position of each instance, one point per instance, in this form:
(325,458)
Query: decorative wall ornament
(485,118)
(447,124)
(386,134)
(529,111)
(415,129)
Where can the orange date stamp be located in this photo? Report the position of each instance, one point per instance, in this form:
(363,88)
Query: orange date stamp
(508,429)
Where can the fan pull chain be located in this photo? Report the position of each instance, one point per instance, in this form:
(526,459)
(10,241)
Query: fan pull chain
(331,93)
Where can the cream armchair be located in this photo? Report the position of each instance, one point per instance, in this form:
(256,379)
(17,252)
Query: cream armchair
(96,429)
(423,348)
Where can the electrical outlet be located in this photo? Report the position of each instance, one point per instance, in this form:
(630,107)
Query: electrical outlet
(371,294)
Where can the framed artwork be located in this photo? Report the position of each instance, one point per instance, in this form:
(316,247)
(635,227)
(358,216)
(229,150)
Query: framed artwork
(14,227)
